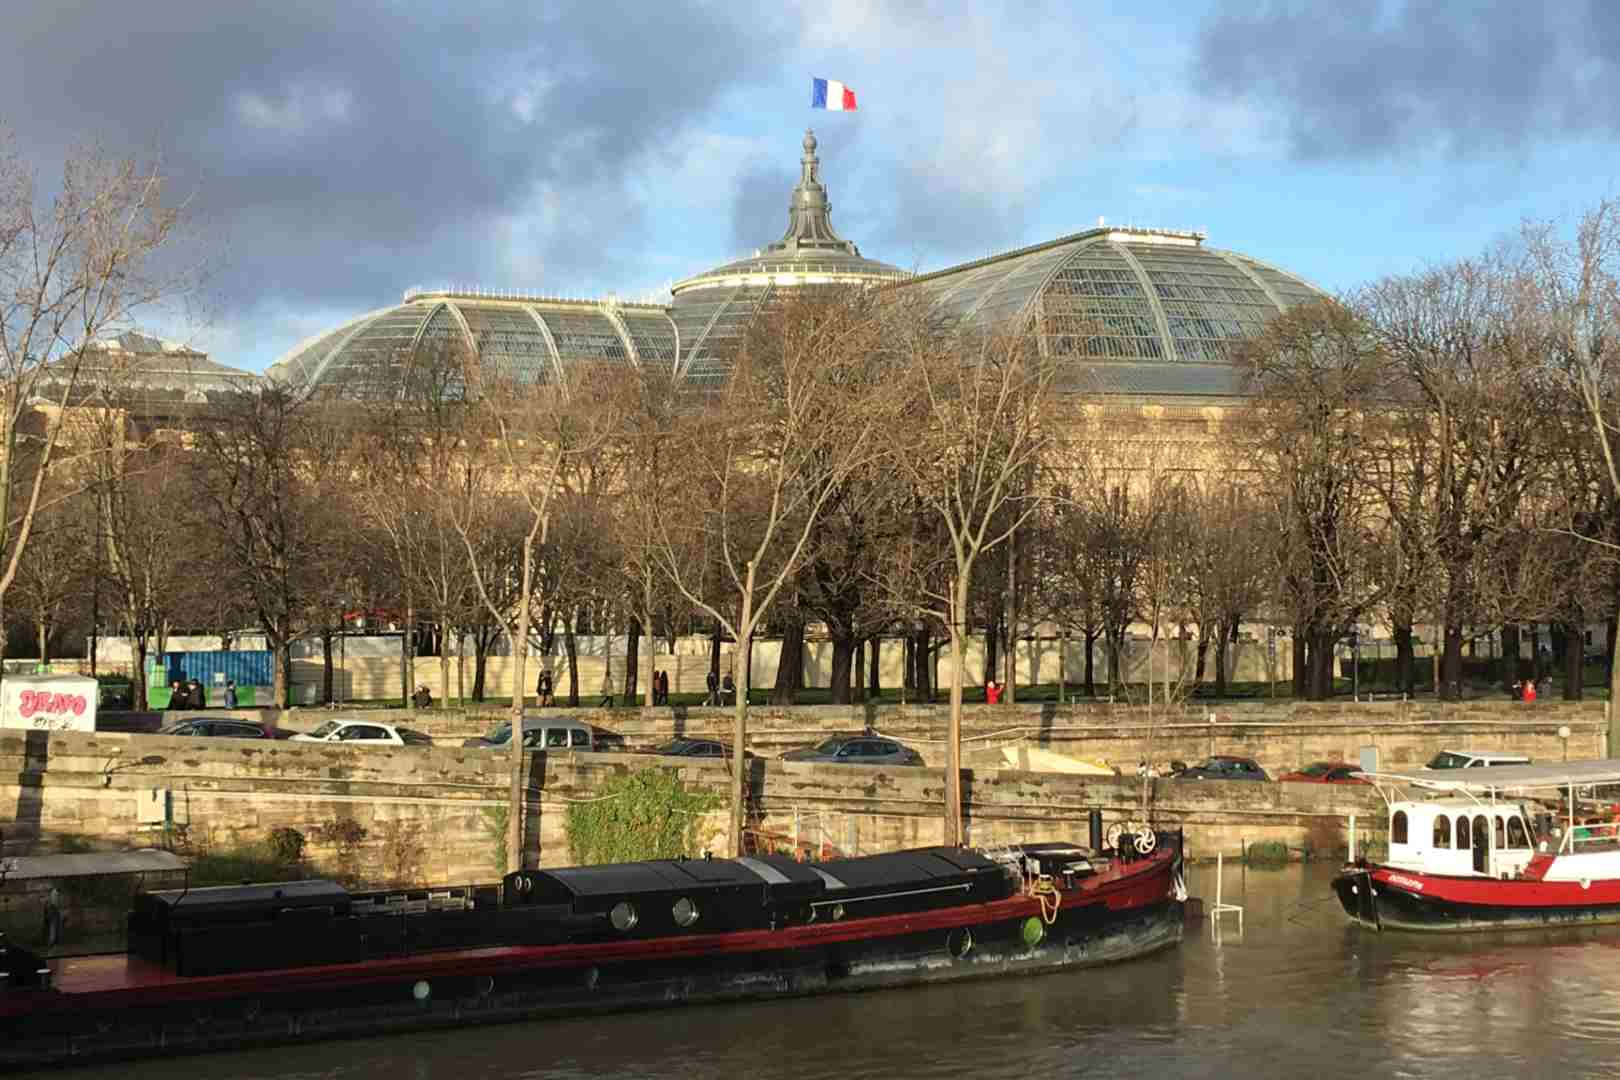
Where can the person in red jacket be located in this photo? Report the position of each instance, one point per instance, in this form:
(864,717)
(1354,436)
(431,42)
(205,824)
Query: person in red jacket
(1529,690)
(992,692)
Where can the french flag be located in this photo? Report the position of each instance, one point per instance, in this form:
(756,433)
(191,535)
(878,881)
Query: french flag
(831,95)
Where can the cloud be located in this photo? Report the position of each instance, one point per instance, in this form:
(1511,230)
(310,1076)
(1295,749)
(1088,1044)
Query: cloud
(1370,80)
(340,152)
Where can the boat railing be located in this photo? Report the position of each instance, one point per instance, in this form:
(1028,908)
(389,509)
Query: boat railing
(1592,833)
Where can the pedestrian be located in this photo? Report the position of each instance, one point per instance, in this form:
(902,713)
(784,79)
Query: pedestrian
(658,688)
(199,696)
(713,682)
(1517,690)
(1529,690)
(1544,686)
(177,695)
(230,693)
(542,688)
(663,686)
(992,692)
(728,690)
(607,684)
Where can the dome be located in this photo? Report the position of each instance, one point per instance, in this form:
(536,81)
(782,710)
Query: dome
(531,337)
(713,309)
(1149,312)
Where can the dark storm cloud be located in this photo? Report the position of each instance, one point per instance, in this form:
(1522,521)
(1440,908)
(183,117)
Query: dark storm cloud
(341,150)
(1349,80)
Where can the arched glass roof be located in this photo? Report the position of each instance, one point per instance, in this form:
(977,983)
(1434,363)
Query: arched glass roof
(1138,310)
(531,338)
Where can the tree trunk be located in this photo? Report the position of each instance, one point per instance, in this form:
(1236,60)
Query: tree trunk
(1302,673)
(1509,673)
(923,649)
(480,665)
(571,646)
(632,660)
(1405,658)
(1574,660)
(714,651)
(790,666)
(1222,644)
(407,655)
(739,739)
(281,661)
(1203,655)
(954,836)
(1451,666)
(873,685)
(857,663)
(843,658)
(992,650)
(1063,662)
(1091,663)
(140,689)
(1010,680)
(1321,665)
(326,667)
(444,659)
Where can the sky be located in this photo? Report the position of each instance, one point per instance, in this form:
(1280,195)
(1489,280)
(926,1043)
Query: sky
(332,155)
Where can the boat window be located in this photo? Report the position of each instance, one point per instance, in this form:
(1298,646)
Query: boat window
(1501,834)
(556,737)
(1462,832)
(1397,828)
(579,737)
(1482,833)
(1442,831)
(1516,835)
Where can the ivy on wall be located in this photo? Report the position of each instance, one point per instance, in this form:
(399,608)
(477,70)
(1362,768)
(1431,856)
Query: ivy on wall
(641,815)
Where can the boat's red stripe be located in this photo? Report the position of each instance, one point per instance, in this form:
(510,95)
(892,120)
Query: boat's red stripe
(120,981)
(1497,892)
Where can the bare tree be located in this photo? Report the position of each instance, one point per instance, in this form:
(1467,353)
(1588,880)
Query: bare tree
(1577,295)
(520,439)
(803,408)
(981,406)
(74,267)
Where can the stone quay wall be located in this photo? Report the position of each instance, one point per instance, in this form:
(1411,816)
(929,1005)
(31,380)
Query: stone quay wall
(1280,736)
(391,814)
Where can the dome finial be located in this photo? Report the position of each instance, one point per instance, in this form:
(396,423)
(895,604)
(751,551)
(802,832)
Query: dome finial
(809,212)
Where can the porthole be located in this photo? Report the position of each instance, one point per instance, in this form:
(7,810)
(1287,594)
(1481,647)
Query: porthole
(959,942)
(685,912)
(483,985)
(837,912)
(1034,931)
(623,916)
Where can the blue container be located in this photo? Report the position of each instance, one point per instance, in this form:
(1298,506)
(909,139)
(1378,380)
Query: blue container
(245,667)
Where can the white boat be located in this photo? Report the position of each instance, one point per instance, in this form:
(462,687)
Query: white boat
(1506,848)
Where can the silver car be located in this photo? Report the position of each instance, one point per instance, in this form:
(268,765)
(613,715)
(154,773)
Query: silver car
(857,750)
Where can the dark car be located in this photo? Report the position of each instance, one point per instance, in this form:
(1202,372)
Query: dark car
(857,750)
(223,727)
(706,748)
(1324,772)
(1225,767)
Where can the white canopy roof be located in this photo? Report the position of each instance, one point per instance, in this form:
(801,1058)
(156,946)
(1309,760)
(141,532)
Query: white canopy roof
(1498,778)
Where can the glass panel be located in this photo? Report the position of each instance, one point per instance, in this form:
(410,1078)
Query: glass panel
(1442,831)
(509,339)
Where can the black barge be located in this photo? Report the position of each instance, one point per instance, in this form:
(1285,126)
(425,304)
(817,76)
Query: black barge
(249,965)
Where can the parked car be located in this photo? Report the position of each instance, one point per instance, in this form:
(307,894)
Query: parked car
(1224,767)
(1473,759)
(223,727)
(1324,772)
(539,733)
(704,748)
(857,750)
(364,732)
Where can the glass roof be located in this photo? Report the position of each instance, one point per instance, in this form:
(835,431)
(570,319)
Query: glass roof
(534,339)
(1126,297)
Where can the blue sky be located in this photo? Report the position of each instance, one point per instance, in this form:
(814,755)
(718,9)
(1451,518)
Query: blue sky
(337,154)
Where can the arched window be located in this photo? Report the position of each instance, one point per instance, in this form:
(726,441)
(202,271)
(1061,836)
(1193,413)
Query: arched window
(1397,828)
(1501,834)
(1442,831)
(1516,835)
(1462,833)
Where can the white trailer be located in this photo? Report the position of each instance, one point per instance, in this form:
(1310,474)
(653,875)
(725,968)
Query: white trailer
(48,702)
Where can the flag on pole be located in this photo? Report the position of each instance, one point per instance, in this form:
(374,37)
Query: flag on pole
(831,95)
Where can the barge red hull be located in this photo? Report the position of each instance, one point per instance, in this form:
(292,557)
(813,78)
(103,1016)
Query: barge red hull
(104,1007)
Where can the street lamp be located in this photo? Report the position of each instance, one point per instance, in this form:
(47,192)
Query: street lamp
(1563,733)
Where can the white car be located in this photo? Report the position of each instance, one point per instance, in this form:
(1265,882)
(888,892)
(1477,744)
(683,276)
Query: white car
(364,732)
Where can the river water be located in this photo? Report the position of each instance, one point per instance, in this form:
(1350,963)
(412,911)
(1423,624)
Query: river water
(1298,993)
